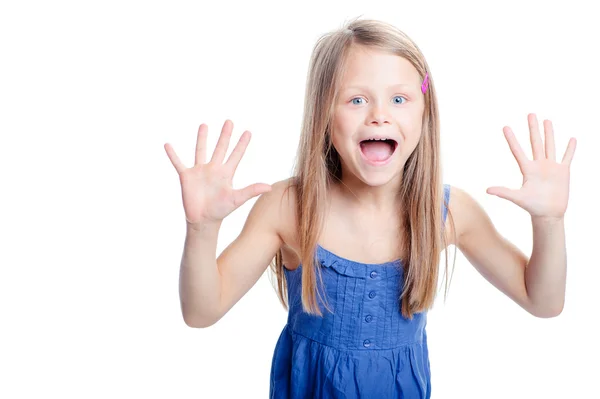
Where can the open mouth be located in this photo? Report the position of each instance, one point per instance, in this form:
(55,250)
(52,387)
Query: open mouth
(378,151)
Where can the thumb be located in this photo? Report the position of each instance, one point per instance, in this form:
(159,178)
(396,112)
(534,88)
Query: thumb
(503,192)
(253,190)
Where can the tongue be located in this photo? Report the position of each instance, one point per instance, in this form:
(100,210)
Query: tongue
(376,150)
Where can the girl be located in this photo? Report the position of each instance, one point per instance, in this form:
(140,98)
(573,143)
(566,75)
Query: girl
(356,233)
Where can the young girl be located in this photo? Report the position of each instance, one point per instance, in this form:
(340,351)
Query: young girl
(356,234)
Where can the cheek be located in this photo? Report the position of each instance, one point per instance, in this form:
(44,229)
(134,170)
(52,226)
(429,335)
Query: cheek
(342,128)
(410,123)
(339,119)
(339,142)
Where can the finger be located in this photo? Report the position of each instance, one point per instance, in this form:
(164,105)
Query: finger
(536,140)
(179,166)
(515,147)
(253,190)
(223,143)
(238,151)
(570,151)
(201,145)
(506,193)
(549,140)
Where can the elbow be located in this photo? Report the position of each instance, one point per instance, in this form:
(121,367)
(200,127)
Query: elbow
(196,319)
(544,307)
(551,314)
(548,313)
(198,322)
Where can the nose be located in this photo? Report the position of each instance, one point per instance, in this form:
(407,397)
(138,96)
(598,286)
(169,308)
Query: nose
(378,115)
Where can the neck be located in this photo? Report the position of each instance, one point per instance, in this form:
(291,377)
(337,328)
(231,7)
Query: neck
(359,195)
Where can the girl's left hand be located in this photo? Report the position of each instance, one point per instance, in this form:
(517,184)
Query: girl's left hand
(545,189)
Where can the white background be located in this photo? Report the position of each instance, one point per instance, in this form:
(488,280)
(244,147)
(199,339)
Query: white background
(92,222)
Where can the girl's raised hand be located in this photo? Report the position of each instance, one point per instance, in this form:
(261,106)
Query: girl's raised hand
(208,195)
(545,189)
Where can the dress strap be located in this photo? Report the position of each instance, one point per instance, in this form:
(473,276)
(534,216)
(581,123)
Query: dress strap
(446,201)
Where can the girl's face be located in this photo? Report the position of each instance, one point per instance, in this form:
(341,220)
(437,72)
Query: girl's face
(380,98)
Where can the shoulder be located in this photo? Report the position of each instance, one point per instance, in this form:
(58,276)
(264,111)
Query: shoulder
(277,201)
(282,196)
(278,207)
(466,214)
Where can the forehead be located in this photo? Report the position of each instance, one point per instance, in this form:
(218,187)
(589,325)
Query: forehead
(366,65)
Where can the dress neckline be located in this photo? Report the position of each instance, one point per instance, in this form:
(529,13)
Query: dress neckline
(396,262)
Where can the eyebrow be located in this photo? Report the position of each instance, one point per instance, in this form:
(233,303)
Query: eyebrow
(364,88)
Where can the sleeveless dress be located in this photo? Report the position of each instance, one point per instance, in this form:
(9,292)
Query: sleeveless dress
(364,349)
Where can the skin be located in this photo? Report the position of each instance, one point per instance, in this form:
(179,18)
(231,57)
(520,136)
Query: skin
(365,200)
(379,95)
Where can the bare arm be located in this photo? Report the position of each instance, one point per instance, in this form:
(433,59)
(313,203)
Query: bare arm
(199,278)
(546,273)
(210,287)
(498,260)
(537,284)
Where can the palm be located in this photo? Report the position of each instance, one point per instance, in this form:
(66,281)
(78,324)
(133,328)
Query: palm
(208,195)
(545,188)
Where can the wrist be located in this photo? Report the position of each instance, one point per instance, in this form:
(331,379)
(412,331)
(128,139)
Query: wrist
(548,220)
(209,227)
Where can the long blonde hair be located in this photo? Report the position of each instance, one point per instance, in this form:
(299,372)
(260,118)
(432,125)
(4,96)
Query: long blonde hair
(318,165)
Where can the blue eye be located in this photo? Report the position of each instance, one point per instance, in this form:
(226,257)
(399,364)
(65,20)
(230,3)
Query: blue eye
(399,102)
(354,101)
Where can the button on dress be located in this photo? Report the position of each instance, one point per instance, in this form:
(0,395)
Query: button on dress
(364,348)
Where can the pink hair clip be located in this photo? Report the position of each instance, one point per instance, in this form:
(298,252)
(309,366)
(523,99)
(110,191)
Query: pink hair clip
(425,84)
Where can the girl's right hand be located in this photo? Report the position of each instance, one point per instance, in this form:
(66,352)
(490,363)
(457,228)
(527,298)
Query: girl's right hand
(208,195)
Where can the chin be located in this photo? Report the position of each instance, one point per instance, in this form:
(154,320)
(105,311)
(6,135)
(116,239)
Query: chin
(382,182)
(379,178)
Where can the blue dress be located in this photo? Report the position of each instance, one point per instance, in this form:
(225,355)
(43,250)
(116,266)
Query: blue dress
(364,349)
